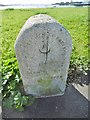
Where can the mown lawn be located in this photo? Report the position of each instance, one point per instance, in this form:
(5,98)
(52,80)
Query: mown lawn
(75,20)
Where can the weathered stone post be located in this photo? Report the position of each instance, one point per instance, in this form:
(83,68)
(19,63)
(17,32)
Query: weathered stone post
(43,49)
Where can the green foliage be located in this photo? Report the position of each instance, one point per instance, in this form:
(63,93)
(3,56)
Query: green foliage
(11,82)
(73,19)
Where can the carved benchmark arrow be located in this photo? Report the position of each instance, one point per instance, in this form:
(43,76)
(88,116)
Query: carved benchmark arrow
(45,52)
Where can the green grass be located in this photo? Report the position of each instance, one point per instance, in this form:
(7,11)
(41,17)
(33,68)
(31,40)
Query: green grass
(75,20)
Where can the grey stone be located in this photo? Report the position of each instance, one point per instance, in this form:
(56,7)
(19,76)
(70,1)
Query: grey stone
(43,48)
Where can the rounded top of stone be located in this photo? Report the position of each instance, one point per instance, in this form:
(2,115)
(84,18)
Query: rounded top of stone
(41,18)
(41,22)
(38,20)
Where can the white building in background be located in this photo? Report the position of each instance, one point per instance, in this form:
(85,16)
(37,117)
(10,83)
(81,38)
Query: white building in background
(86,0)
(80,0)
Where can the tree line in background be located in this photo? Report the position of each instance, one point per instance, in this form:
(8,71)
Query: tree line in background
(74,3)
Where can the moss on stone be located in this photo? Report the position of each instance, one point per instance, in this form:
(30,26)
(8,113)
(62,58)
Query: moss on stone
(45,82)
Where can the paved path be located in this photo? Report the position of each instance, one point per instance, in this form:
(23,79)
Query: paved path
(83,85)
(71,105)
(83,90)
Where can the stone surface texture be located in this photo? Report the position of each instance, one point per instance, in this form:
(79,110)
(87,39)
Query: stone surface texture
(43,48)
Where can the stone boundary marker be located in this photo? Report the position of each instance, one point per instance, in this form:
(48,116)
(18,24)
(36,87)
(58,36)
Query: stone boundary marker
(43,48)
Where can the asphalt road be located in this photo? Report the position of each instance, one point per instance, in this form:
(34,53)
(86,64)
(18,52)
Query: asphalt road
(71,105)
